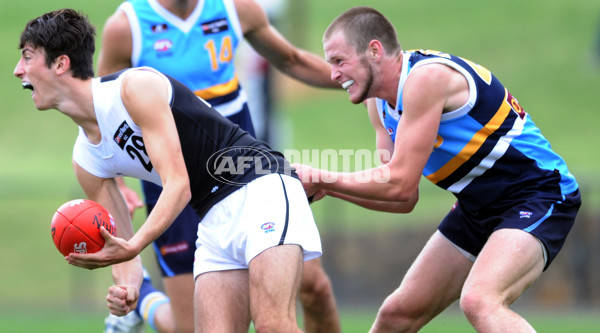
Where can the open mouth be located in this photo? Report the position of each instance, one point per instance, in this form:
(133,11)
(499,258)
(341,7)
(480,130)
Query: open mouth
(27,85)
(346,85)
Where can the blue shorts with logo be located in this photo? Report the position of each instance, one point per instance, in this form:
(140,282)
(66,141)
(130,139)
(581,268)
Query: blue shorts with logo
(547,216)
(175,248)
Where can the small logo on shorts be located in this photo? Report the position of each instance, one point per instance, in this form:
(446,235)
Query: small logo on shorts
(268,227)
(174,248)
(525,215)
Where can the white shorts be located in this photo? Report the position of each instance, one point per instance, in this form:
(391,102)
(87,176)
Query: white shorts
(269,211)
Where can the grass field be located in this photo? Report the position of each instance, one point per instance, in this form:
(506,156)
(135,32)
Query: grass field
(353,321)
(543,51)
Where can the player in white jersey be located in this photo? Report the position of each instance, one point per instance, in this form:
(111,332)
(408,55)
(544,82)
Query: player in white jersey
(145,124)
(450,120)
(195,42)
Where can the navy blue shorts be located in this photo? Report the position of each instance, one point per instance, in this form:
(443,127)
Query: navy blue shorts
(545,217)
(176,246)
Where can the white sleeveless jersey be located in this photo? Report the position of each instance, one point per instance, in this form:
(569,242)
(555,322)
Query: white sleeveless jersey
(209,144)
(103,160)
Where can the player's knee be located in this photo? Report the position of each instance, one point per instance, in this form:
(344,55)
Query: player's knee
(395,316)
(476,304)
(316,289)
(266,324)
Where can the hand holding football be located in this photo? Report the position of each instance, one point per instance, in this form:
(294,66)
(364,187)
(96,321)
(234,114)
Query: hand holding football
(76,226)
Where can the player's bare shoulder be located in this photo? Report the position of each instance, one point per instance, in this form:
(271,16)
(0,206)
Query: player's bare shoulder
(143,82)
(438,81)
(117,23)
(144,89)
(117,28)
(117,44)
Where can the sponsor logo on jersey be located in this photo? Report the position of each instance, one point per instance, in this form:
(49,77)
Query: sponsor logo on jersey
(162,45)
(514,104)
(525,215)
(215,26)
(174,248)
(123,134)
(156,28)
(268,227)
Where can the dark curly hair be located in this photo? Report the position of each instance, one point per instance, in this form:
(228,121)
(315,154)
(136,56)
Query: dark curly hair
(63,32)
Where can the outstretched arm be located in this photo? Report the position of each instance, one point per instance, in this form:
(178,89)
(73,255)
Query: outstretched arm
(145,96)
(269,43)
(305,172)
(128,274)
(385,147)
(425,97)
(115,55)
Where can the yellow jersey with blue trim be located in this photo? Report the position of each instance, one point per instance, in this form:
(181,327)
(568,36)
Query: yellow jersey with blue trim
(489,149)
(198,51)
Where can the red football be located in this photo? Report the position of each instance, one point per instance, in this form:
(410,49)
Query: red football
(76,226)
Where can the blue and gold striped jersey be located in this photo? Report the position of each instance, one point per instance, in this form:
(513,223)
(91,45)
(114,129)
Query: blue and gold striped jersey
(198,51)
(489,149)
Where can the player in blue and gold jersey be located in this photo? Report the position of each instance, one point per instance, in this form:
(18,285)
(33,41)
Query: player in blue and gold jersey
(450,120)
(195,42)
